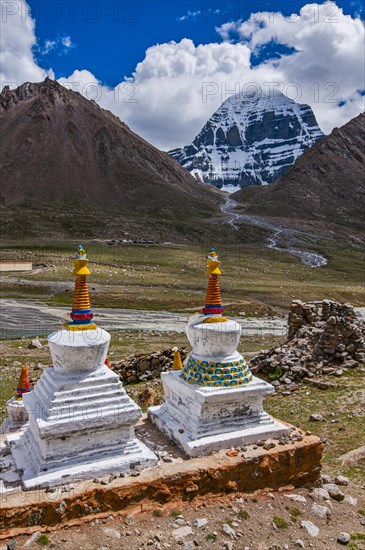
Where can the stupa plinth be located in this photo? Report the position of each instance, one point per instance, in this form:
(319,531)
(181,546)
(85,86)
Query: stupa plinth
(214,402)
(81,421)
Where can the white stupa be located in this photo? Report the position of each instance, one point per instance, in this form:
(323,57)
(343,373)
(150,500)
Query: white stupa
(81,421)
(214,402)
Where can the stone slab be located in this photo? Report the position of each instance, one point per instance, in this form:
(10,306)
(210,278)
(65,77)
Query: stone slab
(291,465)
(134,456)
(209,444)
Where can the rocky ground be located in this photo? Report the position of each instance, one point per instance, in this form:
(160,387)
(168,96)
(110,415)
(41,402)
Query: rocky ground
(322,518)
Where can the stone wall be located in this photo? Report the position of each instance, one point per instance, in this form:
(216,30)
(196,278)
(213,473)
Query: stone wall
(323,338)
(137,368)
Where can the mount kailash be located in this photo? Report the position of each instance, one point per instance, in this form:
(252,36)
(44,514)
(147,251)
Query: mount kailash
(252,139)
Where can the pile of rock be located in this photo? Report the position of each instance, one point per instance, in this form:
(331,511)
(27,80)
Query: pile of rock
(137,368)
(323,338)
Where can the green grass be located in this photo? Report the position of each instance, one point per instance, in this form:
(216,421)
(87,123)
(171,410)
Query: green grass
(175,513)
(243,514)
(43,540)
(358,536)
(343,404)
(157,513)
(280,523)
(255,279)
(295,513)
(211,537)
(276,373)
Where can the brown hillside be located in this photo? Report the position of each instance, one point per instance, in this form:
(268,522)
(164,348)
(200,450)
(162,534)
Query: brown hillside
(327,183)
(69,165)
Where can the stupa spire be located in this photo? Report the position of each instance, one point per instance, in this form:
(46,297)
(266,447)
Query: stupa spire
(213,300)
(81,313)
(23,384)
(177,365)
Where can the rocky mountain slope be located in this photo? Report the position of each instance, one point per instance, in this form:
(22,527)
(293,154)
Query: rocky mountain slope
(326,184)
(71,167)
(252,139)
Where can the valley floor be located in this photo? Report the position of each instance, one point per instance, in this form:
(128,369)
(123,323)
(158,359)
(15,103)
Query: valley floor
(256,280)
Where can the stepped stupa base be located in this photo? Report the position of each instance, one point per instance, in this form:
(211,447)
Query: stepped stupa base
(202,420)
(81,420)
(135,456)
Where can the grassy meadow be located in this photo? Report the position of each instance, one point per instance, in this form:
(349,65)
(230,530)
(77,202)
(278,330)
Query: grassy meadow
(255,280)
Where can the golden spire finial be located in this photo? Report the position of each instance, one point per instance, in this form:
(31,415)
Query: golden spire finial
(81,314)
(213,301)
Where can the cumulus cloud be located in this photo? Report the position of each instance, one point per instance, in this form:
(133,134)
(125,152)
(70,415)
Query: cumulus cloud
(328,65)
(178,85)
(17,40)
(165,99)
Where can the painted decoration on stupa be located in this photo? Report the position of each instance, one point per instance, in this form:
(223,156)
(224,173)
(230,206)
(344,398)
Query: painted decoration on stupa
(214,360)
(81,313)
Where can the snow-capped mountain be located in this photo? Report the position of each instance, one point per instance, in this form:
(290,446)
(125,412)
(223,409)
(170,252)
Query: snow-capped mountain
(252,139)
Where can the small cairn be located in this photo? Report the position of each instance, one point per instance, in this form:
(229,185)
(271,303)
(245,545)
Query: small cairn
(323,338)
(137,368)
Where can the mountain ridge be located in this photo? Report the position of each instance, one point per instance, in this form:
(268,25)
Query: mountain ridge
(326,184)
(251,139)
(61,152)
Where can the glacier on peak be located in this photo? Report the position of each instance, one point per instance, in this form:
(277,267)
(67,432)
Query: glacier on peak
(251,139)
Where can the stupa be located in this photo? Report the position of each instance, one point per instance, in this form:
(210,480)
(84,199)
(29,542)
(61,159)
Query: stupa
(81,421)
(214,402)
(17,414)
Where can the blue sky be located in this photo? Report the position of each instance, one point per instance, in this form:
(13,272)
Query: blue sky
(109,37)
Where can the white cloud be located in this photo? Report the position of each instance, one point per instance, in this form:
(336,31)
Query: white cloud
(63,44)
(48,46)
(164,102)
(67,42)
(17,63)
(328,65)
(189,15)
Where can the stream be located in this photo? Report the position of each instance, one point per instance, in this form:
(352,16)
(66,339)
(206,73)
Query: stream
(282,239)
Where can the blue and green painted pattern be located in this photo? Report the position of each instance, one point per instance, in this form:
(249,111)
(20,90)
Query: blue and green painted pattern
(211,374)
